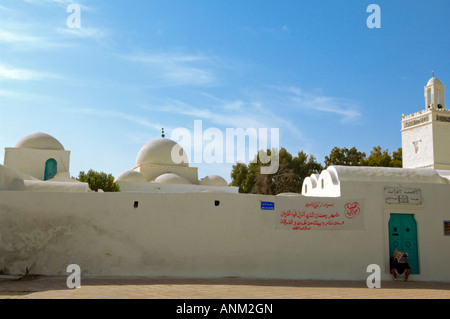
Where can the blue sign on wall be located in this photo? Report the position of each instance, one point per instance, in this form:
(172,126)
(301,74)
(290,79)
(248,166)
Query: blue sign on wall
(267,205)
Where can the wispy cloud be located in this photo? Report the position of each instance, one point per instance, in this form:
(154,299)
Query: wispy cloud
(8,36)
(24,39)
(61,3)
(231,113)
(118,115)
(272,31)
(7,73)
(178,69)
(347,109)
(84,32)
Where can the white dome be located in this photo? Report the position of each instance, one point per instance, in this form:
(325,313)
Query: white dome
(159,152)
(40,141)
(213,180)
(131,176)
(171,178)
(433,80)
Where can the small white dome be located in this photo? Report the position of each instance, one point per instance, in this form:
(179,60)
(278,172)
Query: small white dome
(159,152)
(213,180)
(131,176)
(171,178)
(40,141)
(433,80)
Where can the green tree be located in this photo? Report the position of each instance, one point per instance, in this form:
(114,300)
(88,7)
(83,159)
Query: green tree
(289,177)
(378,157)
(99,180)
(397,158)
(352,157)
(345,156)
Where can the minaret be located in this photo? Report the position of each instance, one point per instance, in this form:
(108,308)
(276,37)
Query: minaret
(426,134)
(434,94)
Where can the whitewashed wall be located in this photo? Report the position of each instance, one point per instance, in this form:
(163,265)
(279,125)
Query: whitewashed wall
(188,235)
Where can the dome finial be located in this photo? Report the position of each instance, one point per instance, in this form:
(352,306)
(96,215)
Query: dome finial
(162,133)
(433,73)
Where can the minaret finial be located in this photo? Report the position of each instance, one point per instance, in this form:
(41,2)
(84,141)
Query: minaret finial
(162,133)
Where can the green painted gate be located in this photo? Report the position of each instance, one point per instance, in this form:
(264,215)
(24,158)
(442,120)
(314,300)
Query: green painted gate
(403,236)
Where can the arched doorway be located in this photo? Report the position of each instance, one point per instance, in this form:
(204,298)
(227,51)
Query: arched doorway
(51,168)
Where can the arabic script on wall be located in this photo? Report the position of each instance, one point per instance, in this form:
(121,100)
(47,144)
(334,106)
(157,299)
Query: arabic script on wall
(323,215)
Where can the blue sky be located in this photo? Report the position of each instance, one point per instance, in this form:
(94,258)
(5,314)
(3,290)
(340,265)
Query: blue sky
(313,69)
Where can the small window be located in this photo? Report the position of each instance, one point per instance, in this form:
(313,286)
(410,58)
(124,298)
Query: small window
(306,189)
(136,204)
(322,183)
(216,202)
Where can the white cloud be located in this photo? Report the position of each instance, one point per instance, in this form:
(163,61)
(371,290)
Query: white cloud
(119,115)
(178,69)
(83,32)
(7,36)
(7,73)
(347,109)
(61,3)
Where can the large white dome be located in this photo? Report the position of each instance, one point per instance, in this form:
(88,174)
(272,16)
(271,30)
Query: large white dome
(40,141)
(160,151)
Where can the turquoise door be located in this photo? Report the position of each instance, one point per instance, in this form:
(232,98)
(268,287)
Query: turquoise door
(403,236)
(51,168)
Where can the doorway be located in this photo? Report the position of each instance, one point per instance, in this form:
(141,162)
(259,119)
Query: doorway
(51,168)
(403,236)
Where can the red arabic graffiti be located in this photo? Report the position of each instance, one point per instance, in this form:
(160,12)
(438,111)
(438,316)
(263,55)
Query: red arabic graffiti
(320,215)
(352,210)
(316,205)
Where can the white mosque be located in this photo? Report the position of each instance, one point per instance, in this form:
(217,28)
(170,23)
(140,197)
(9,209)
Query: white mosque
(39,162)
(168,222)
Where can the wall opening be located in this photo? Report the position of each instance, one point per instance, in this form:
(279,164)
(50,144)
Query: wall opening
(403,236)
(51,169)
(429,97)
(136,204)
(216,202)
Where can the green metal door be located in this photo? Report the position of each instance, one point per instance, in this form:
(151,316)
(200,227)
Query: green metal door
(403,236)
(51,168)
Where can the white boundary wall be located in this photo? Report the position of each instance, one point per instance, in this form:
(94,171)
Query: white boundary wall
(187,235)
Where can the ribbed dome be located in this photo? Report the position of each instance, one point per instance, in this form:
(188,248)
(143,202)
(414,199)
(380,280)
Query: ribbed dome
(130,176)
(171,178)
(159,152)
(40,141)
(213,180)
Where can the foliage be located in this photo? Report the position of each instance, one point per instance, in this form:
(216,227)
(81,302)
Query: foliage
(293,170)
(345,156)
(99,180)
(352,157)
(289,177)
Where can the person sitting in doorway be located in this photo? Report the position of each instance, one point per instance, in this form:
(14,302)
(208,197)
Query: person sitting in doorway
(400,266)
